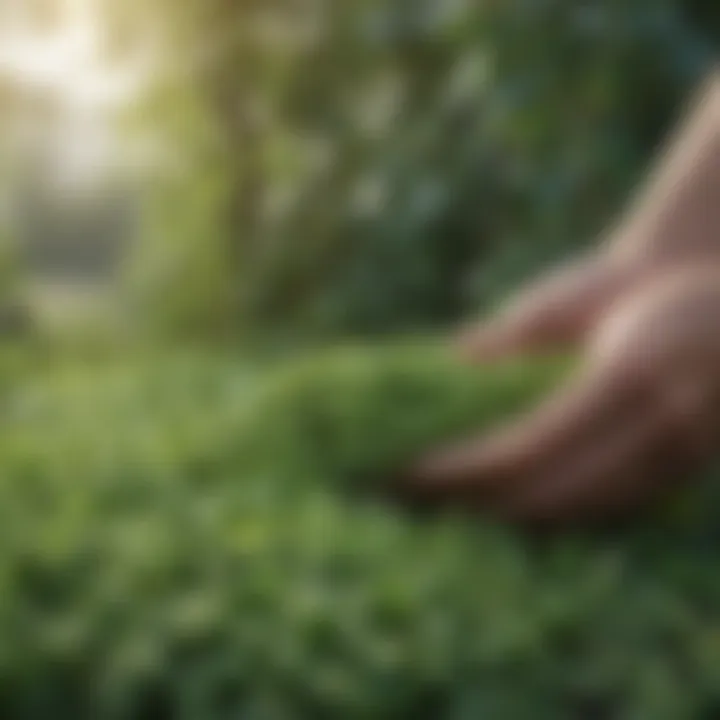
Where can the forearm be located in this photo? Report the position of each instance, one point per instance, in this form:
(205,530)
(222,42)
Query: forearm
(677,213)
(674,221)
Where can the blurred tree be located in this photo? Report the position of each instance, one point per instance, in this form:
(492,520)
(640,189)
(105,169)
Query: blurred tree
(376,164)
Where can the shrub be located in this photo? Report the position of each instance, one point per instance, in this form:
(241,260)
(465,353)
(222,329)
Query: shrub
(179,541)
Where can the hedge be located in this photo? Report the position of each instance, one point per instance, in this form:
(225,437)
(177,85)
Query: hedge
(184,539)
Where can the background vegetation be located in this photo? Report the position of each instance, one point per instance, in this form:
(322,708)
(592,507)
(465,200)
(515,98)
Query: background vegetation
(373,165)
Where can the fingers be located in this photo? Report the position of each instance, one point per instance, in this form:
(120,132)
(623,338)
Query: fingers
(611,466)
(515,454)
(610,476)
(557,311)
(651,450)
(493,339)
(598,448)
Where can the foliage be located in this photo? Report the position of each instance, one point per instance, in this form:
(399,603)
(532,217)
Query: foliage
(176,543)
(363,166)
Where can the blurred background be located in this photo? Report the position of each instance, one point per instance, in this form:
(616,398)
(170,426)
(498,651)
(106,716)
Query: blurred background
(235,170)
(189,185)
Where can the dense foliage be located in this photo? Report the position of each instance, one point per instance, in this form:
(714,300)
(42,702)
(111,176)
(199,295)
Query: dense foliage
(182,540)
(369,165)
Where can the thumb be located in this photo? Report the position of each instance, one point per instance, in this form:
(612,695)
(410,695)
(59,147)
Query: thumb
(556,312)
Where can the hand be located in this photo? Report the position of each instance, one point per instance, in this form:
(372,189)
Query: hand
(642,414)
(559,310)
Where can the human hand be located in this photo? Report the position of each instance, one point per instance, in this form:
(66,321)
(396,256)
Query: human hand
(556,311)
(642,413)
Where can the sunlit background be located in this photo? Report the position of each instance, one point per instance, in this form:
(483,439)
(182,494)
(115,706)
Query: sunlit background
(66,197)
(314,170)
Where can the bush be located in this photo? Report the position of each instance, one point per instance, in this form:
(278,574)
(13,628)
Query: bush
(180,540)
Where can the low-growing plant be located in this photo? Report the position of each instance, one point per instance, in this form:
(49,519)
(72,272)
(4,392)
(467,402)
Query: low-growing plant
(184,540)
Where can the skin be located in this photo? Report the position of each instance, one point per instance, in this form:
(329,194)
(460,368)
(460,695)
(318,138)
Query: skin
(643,412)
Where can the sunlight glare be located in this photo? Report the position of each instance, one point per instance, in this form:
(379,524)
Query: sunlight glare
(66,60)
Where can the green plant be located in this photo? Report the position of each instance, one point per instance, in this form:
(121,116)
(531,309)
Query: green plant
(182,539)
